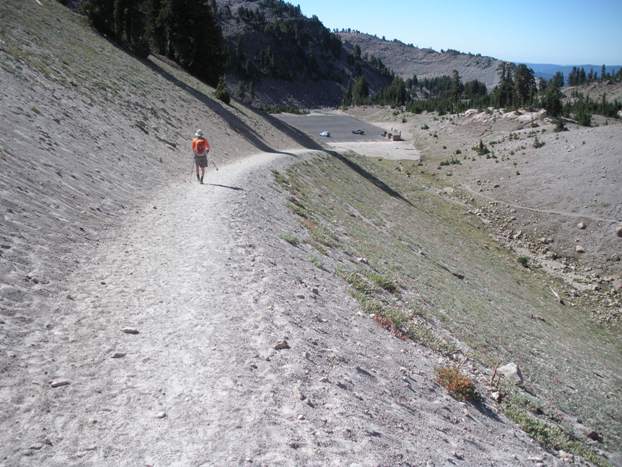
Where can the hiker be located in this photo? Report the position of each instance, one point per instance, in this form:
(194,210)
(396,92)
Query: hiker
(200,148)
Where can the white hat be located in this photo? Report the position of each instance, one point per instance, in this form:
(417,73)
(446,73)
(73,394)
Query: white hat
(198,134)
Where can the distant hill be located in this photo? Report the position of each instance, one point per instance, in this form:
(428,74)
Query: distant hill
(546,71)
(407,60)
(278,56)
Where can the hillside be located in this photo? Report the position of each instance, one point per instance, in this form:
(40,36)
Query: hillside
(407,60)
(299,308)
(278,56)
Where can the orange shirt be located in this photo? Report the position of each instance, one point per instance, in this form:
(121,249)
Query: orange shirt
(200,146)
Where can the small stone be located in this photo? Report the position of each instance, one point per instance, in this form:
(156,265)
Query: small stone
(161,415)
(579,249)
(595,436)
(36,447)
(565,456)
(118,355)
(323,379)
(130,330)
(281,345)
(619,230)
(301,417)
(60,382)
(581,225)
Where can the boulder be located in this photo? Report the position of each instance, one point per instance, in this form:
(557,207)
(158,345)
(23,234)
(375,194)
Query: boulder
(619,230)
(581,225)
(579,249)
(511,372)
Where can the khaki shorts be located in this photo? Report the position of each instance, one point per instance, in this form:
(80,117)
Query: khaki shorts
(201,161)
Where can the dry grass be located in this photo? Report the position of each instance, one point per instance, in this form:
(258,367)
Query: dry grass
(460,386)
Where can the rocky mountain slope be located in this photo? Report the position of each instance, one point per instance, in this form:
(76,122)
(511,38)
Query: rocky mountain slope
(87,133)
(278,56)
(406,60)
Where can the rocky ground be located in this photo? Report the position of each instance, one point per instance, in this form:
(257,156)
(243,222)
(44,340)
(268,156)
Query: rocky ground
(552,197)
(147,319)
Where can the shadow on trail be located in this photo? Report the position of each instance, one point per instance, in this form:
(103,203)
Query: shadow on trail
(485,410)
(235,188)
(369,177)
(308,142)
(240,127)
(234,122)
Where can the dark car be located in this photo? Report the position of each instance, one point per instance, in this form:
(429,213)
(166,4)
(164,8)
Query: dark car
(358,132)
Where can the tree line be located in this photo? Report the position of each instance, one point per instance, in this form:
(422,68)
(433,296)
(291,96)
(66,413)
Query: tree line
(182,30)
(578,76)
(517,88)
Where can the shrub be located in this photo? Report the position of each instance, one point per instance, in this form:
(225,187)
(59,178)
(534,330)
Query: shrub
(459,386)
(221,91)
(481,149)
(451,161)
(291,239)
(537,143)
(523,261)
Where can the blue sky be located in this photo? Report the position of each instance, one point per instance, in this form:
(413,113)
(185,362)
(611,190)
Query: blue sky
(533,31)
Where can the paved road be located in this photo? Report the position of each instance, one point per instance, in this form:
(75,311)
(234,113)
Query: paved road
(339,126)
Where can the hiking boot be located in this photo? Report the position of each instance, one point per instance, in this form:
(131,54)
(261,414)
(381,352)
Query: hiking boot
(201,180)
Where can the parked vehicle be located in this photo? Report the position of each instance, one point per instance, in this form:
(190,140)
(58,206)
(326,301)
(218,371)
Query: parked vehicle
(325,134)
(358,132)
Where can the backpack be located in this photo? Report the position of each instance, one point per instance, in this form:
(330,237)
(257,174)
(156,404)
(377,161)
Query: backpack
(201,146)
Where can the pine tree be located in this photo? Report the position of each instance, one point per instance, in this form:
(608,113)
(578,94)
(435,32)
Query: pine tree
(552,101)
(603,73)
(524,85)
(360,91)
(456,86)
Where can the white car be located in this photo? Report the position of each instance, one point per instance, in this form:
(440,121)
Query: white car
(325,134)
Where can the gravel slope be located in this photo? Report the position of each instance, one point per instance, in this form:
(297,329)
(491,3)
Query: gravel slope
(204,277)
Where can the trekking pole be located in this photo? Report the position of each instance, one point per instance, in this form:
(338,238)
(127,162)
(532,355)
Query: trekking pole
(216,166)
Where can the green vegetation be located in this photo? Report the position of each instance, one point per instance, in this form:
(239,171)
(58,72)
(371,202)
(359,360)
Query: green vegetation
(454,280)
(548,433)
(291,239)
(517,88)
(451,161)
(523,261)
(537,143)
(481,149)
(221,91)
(183,30)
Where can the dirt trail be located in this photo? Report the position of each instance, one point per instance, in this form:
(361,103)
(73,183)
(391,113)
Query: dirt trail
(573,215)
(204,277)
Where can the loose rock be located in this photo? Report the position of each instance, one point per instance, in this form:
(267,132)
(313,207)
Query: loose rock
(118,355)
(619,230)
(281,345)
(581,225)
(60,382)
(579,249)
(511,372)
(130,330)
